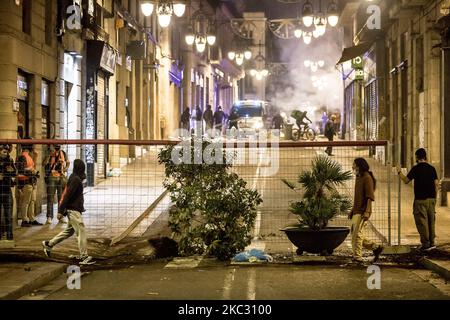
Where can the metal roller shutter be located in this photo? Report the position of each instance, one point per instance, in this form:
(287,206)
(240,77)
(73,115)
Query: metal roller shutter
(100,125)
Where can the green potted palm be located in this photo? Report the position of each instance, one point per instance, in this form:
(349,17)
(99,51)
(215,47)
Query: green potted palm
(320,202)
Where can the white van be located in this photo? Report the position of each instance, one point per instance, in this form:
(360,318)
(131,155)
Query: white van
(251,115)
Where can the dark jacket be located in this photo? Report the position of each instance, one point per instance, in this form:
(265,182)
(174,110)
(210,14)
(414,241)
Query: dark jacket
(8,171)
(218,117)
(330,132)
(72,197)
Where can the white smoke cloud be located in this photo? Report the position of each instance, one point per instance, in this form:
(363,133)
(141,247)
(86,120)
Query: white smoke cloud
(296,91)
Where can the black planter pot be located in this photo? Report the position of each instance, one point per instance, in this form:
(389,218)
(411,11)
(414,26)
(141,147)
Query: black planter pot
(323,241)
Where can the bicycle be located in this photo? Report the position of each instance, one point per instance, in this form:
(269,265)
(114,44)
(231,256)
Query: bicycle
(306,133)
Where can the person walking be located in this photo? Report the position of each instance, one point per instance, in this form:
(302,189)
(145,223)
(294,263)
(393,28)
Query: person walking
(277,121)
(185,119)
(426,187)
(72,206)
(330,133)
(198,121)
(56,166)
(218,120)
(208,116)
(361,212)
(324,122)
(27,186)
(7,173)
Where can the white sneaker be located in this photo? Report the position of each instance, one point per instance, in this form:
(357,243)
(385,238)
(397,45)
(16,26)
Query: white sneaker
(49,221)
(87,260)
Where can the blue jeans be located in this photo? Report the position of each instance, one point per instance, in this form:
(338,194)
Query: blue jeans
(6,206)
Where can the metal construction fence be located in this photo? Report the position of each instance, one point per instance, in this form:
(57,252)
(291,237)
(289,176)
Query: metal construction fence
(124,195)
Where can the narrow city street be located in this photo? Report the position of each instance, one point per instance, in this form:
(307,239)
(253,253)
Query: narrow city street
(112,181)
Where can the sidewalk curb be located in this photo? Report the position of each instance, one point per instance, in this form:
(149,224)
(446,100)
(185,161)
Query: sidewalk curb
(435,266)
(40,280)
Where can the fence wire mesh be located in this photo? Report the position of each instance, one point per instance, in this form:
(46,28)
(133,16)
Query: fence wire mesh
(124,195)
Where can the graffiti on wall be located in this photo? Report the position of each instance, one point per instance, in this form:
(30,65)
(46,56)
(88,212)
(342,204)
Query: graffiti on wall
(90,120)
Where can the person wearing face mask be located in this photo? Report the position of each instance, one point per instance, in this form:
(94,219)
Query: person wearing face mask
(362,210)
(426,187)
(7,173)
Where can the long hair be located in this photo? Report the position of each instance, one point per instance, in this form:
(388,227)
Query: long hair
(363,166)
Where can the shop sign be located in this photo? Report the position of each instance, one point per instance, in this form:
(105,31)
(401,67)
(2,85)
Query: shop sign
(16,105)
(357,63)
(45,94)
(22,88)
(91,7)
(129,63)
(108,60)
(359,74)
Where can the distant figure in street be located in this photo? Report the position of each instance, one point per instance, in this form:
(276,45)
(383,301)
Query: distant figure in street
(185,119)
(219,116)
(337,123)
(426,187)
(330,133)
(362,210)
(324,122)
(209,118)
(300,117)
(198,120)
(72,206)
(277,121)
(8,172)
(233,119)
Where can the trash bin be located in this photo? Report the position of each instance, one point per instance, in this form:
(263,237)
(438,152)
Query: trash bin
(288,131)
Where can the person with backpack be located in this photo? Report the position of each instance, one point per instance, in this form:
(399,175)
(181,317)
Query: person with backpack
(330,133)
(72,206)
(7,174)
(56,166)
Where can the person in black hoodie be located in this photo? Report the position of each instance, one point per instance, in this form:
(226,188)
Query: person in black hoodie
(8,172)
(72,206)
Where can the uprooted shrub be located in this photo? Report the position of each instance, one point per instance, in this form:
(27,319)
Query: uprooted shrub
(214,210)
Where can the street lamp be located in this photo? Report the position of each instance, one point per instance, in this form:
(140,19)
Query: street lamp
(240,59)
(190,36)
(307,37)
(179,9)
(333,14)
(147,8)
(247,54)
(308,12)
(164,10)
(201,30)
(231,55)
(200,43)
